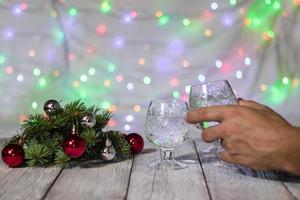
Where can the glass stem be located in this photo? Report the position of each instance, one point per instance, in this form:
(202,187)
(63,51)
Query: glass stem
(166,154)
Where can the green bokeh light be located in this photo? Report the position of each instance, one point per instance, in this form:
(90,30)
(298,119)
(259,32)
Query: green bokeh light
(278,92)
(163,20)
(268,1)
(83,78)
(105,105)
(34,105)
(59,36)
(147,80)
(285,80)
(105,6)
(186,22)
(36,72)
(92,71)
(277,5)
(260,13)
(42,82)
(2,59)
(176,94)
(271,34)
(111,67)
(73,11)
(233,2)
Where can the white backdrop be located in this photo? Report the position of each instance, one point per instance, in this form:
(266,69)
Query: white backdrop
(122,54)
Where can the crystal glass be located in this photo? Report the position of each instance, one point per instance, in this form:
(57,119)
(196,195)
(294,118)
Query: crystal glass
(211,94)
(166,128)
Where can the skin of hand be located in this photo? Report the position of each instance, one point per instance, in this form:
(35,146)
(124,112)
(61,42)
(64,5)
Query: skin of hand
(253,135)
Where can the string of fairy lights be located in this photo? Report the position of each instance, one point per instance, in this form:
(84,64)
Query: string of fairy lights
(89,57)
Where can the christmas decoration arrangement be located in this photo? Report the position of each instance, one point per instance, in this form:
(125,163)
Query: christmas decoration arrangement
(63,135)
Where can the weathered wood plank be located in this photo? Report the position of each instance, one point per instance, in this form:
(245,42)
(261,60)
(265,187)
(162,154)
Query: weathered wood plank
(294,187)
(93,181)
(292,183)
(147,183)
(235,183)
(25,183)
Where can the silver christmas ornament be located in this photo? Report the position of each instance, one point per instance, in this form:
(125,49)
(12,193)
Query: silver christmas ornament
(88,120)
(51,107)
(108,153)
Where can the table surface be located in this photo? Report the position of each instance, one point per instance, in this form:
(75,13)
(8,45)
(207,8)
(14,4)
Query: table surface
(132,179)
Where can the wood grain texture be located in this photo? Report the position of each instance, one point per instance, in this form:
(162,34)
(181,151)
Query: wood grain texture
(25,183)
(239,183)
(147,183)
(292,184)
(93,181)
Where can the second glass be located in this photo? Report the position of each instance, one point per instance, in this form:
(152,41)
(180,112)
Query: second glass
(213,93)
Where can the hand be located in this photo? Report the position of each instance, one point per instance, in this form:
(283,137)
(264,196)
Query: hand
(252,135)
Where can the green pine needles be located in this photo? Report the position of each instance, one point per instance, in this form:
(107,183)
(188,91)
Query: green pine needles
(42,136)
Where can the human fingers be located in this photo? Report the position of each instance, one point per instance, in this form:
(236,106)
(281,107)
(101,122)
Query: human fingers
(252,104)
(211,113)
(213,133)
(227,157)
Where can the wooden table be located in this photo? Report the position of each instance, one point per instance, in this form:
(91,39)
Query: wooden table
(132,179)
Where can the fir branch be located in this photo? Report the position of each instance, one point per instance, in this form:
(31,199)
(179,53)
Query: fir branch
(37,154)
(120,143)
(76,109)
(53,144)
(61,159)
(93,109)
(91,137)
(43,136)
(102,120)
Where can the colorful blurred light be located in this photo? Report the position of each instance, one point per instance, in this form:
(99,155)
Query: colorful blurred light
(92,71)
(163,20)
(174,82)
(185,63)
(208,32)
(141,61)
(219,63)
(119,78)
(130,86)
(176,94)
(201,77)
(187,89)
(186,22)
(111,67)
(34,105)
(247,61)
(9,70)
(214,5)
(83,78)
(107,83)
(20,77)
(73,11)
(137,108)
(147,80)
(105,6)
(101,29)
(36,72)
(2,59)
(129,118)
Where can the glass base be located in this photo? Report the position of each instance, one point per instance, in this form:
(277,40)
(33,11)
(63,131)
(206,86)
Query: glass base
(167,161)
(171,164)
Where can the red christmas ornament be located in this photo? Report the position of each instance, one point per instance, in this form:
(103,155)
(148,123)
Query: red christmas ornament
(74,146)
(136,142)
(13,155)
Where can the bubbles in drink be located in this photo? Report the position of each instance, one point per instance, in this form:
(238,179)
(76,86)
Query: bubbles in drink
(166,131)
(210,100)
